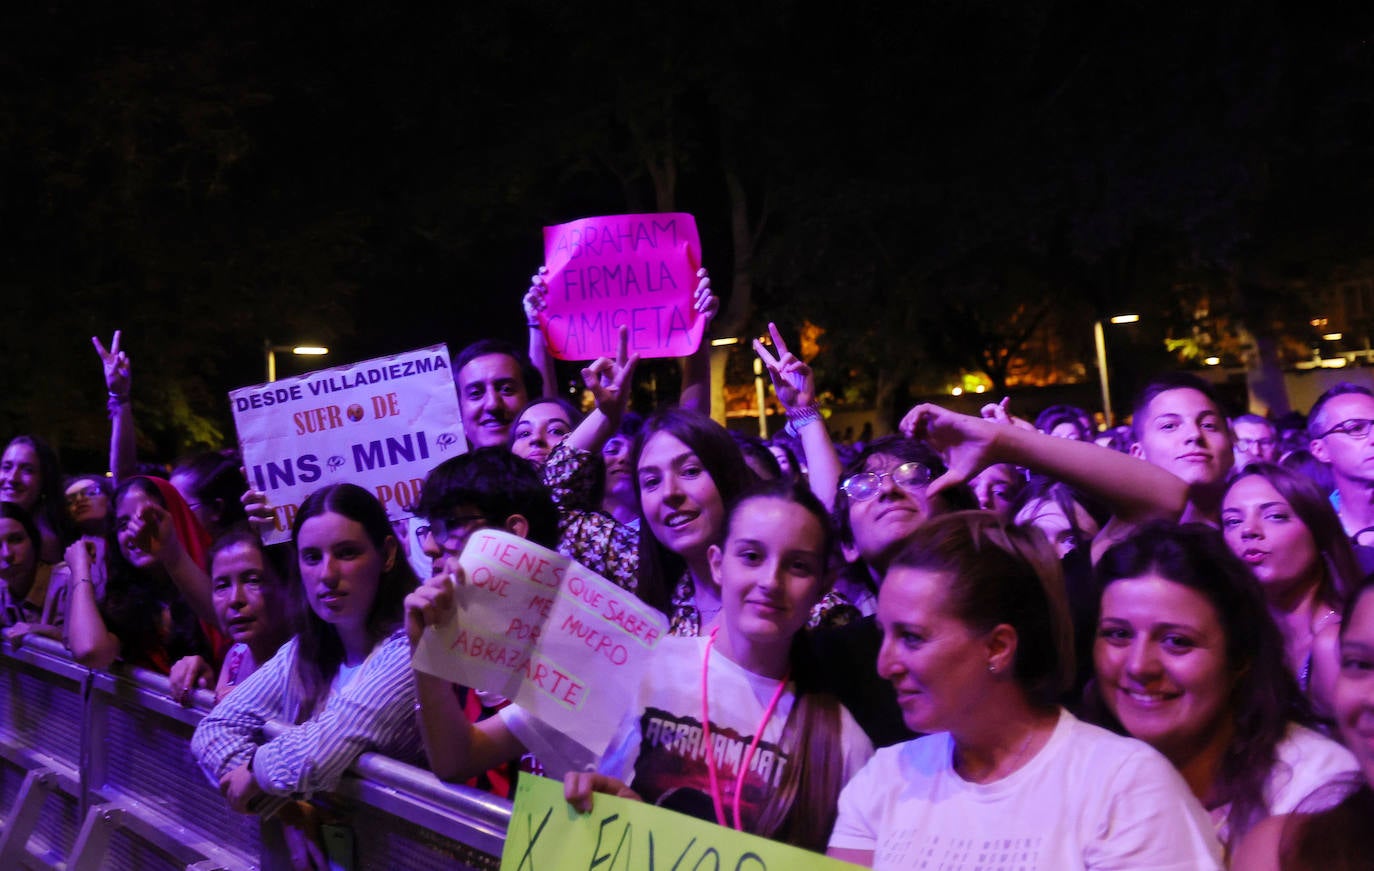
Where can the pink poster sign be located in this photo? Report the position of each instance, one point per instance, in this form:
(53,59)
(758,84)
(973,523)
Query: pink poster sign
(636,271)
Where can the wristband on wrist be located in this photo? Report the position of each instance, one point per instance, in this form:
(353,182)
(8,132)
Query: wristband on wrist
(802,415)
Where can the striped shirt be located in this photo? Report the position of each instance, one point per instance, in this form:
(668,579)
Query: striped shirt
(375,712)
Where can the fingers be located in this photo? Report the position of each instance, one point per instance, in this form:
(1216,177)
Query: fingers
(914,423)
(768,359)
(627,372)
(622,352)
(950,479)
(777,340)
(100,347)
(578,787)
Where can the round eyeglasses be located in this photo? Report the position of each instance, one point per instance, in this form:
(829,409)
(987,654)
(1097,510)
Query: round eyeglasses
(863,486)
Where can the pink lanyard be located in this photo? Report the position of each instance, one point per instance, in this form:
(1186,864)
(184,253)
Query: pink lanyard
(716,800)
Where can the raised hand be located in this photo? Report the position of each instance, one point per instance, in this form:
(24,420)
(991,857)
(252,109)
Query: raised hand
(965,443)
(431,604)
(706,303)
(609,380)
(116,364)
(537,297)
(793,381)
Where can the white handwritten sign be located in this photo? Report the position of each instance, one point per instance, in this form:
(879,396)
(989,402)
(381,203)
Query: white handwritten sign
(547,633)
(381,424)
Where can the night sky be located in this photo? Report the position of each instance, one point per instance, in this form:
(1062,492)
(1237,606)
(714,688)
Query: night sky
(931,184)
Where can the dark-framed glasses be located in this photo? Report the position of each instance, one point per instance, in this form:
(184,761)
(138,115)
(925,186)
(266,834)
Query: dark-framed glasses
(451,533)
(76,496)
(863,486)
(1356,428)
(1247,445)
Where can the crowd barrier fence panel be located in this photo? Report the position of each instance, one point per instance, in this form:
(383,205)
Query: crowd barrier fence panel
(96,773)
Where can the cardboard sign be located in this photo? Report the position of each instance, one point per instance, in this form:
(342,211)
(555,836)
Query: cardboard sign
(381,424)
(636,271)
(542,630)
(546,833)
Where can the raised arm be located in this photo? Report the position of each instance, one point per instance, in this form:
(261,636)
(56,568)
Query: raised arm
(1135,490)
(118,381)
(696,368)
(536,298)
(458,749)
(155,533)
(795,386)
(610,382)
(92,643)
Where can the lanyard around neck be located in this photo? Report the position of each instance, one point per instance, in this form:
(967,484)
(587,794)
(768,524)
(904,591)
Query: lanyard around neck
(716,799)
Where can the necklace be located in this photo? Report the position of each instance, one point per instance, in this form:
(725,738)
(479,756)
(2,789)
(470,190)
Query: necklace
(717,801)
(1012,761)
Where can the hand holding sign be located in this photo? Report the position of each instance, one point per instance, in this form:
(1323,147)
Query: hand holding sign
(537,297)
(633,271)
(532,625)
(430,604)
(793,381)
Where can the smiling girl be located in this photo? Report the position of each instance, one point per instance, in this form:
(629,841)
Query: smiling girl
(1189,661)
(774,752)
(976,640)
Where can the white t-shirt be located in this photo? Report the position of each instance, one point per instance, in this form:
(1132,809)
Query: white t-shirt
(659,749)
(1089,799)
(1306,762)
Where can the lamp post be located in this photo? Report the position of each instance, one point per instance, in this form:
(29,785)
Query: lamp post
(299,350)
(1100,339)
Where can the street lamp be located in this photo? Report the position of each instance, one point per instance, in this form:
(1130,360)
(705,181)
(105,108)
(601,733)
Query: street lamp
(1101,340)
(299,350)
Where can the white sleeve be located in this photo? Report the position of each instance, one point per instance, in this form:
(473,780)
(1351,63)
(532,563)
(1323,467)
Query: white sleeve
(558,753)
(861,800)
(1150,821)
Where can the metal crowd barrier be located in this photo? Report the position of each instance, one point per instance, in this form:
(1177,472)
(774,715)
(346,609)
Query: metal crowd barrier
(96,773)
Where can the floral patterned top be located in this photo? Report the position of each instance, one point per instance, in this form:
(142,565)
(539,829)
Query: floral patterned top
(593,538)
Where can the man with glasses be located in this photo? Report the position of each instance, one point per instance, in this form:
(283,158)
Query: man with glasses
(1339,426)
(1255,440)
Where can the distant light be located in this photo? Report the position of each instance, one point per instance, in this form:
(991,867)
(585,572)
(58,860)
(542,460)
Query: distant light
(1212,361)
(958,391)
(1334,363)
(1331,337)
(1125,319)
(720,343)
(980,389)
(310,350)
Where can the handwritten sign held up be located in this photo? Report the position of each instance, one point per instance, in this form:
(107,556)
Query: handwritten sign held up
(545,832)
(547,633)
(381,424)
(636,271)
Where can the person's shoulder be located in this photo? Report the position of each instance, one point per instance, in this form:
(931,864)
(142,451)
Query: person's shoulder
(1092,742)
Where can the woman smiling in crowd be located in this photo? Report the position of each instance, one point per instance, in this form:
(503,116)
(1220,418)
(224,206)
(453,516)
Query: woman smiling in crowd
(1189,661)
(976,640)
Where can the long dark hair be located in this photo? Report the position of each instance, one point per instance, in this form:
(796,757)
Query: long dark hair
(134,599)
(801,811)
(320,650)
(217,483)
(660,568)
(50,511)
(1340,570)
(1264,695)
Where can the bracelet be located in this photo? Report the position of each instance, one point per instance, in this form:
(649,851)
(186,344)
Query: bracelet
(79,581)
(120,398)
(534,325)
(803,415)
